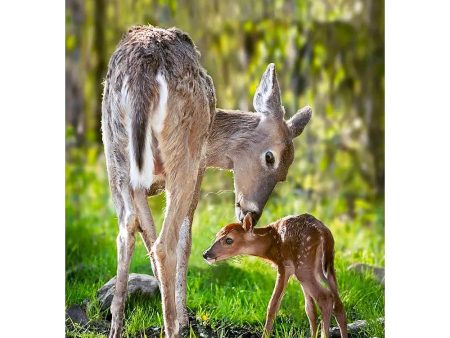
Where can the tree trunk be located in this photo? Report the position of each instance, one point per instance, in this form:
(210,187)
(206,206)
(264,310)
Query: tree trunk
(100,68)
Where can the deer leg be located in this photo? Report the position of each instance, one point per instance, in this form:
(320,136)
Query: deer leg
(326,308)
(275,301)
(338,307)
(311,312)
(324,299)
(183,253)
(128,222)
(339,313)
(179,196)
(146,225)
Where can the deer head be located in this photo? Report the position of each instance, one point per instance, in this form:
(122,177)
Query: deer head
(265,157)
(233,240)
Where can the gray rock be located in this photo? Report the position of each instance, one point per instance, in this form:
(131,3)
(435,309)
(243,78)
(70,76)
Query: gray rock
(77,314)
(137,284)
(378,272)
(355,329)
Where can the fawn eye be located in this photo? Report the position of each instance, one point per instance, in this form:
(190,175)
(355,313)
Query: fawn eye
(270,159)
(228,241)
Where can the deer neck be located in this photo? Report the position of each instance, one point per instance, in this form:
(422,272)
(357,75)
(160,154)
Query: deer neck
(231,132)
(266,244)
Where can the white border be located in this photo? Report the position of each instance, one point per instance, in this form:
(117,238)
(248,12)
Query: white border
(417,168)
(32,248)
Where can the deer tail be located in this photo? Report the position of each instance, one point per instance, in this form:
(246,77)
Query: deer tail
(147,117)
(328,261)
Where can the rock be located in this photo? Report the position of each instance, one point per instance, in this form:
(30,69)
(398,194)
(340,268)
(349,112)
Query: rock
(355,329)
(378,272)
(137,284)
(77,314)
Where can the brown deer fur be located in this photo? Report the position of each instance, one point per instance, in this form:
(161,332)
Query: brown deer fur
(297,245)
(161,130)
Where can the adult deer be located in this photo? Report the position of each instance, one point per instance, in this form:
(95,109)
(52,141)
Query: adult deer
(161,129)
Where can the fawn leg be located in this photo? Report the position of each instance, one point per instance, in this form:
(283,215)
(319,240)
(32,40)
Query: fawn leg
(339,313)
(275,301)
(311,312)
(326,308)
(338,308)
(146,225)
(125,246)
(324,299)
(183,253)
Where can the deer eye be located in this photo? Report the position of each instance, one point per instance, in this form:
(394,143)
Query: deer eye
(270,159)
(228,241)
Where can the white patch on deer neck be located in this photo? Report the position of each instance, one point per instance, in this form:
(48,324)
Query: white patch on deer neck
(160,114)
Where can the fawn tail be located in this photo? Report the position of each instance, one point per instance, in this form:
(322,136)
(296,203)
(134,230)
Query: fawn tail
(328,269)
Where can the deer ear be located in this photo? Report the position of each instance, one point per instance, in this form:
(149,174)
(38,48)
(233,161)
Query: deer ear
(267,98)
(247,223)
(298,122)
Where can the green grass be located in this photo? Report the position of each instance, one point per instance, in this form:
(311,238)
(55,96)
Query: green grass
(233,293)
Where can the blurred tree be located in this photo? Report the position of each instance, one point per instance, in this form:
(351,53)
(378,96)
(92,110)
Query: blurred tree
(101,61)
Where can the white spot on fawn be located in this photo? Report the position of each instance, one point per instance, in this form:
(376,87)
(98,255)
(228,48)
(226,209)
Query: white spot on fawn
(283,232)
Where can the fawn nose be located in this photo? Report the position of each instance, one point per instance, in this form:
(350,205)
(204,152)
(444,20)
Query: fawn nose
(205,254)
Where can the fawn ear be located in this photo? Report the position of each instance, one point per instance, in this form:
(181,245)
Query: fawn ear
(247,223)
(298,122)
(267,99)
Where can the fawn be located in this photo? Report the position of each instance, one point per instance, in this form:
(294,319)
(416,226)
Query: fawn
(298,245)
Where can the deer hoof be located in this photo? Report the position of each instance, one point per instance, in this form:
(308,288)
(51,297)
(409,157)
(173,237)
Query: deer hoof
(115,331)
(183,319)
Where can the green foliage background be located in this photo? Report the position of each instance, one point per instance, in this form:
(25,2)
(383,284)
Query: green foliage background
(328,54)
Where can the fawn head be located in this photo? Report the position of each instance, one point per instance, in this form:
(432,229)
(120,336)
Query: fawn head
(265,162)
(232,240)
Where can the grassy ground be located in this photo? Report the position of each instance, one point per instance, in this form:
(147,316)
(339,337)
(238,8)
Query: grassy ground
(234,293)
